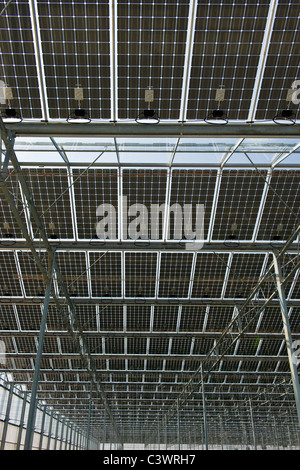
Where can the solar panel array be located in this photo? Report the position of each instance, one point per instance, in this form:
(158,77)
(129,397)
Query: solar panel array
(121,214)
(184,50)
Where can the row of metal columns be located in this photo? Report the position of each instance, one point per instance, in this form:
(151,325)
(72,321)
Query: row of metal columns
(74,437)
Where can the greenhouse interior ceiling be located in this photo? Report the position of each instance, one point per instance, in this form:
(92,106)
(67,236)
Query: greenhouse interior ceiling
(149,228)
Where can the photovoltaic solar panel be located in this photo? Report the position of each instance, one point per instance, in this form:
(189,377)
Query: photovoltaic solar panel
(282,64)
(140,274)
(8,320)
(75,44)
(18,62)
(283,197)
(192,318)
(105,271)
(111,318)
(9,276)
(151,48)
(138,317)
(8,228)
(95,189)
(209,275)
(31,276)
(244,274)
(144,194)
(190,186)
(175,272)
(238,204)
(29,317)
(227,44)
(165,318)
(74,271)
(49,188)
(218,317)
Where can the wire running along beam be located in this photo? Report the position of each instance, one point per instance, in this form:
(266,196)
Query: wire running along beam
(54,129)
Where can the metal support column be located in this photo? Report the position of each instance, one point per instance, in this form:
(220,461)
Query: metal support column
(6,419)
(71,437)
(32,407)
(42,429)
(89,416)
(287,333)
(56,431)
(104,431)
(204,411)
(21,425)
(178,425)
(253,425)
(62,434)
(50,431)
(67,436)
(158,436)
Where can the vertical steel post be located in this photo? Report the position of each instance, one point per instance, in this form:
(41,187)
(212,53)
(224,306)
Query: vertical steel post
(166,435)
(50,430)
(178,425)
(80,440)
(89,415)
(56,431)
(158,436)
(275,432)
(42,428)
(76,439)
(32,407)
(7,415)
(71,436)
(104,431)
(67,436)
(62,434)
(221,433)
(253,425)
(204,410)
(287,333)
(21,425)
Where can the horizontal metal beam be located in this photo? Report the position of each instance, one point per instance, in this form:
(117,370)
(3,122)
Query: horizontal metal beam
(172,357)
(55,129)
(146,334)
(148,246)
